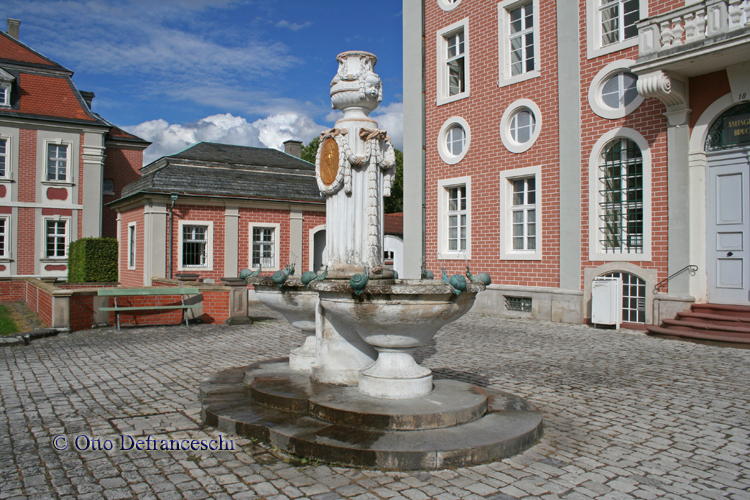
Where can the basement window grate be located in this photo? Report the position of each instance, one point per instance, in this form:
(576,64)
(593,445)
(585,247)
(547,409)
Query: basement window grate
(522,304)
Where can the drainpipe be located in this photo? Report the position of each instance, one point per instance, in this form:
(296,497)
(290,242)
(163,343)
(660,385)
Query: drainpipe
(424,144)
(174,197)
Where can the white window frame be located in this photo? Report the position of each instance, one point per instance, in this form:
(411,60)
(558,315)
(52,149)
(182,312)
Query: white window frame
(68,163)
(505,134)
(503,33)
(596,252)
(597,85)
(55,218)
(5,95)
(442,145)
(6,156)
(448,5)
(276,244)
(443,186)
(5,246)
(132,242)
(209,245)
(594,30)
(442,68)
(506,217)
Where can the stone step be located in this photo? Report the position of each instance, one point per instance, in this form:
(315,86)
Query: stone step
(702,325)
(736,311)
(509,426)
(716,335)
(717,319)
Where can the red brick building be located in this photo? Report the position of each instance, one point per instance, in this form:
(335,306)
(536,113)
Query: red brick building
(564,141)
(59,162)
(215,209)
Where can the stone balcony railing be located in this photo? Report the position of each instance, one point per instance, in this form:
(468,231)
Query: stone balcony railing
(691,27)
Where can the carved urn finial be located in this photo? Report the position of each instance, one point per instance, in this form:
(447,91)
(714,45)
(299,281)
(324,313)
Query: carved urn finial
(356,89)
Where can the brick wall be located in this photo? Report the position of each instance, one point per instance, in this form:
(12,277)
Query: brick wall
(131,277)
(215,307)
(121,165)
(12,291)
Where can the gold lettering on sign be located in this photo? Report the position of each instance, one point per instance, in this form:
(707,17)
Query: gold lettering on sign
(329,161)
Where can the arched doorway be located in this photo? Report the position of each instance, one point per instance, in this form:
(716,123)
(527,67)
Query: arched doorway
(727,149)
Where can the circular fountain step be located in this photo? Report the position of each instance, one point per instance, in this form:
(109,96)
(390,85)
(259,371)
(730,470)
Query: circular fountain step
(509,426)
(450,403)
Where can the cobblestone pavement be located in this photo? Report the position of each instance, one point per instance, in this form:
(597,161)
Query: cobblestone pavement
(626,416)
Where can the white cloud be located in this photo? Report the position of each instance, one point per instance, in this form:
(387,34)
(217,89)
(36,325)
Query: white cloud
(391,119)
(226,128)
(293,26)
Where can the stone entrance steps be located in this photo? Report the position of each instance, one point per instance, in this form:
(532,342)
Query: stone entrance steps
(719,322)
(456,425)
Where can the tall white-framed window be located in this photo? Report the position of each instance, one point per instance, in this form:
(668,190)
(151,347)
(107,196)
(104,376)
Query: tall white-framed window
(4,157)
(264,246)
(620,207)
(454,218)
(612,25)
(56,232)
(4,94)
(131,245)
(453,62)
(57,160)
(518,40)
(4,237)
(613,93)
(195,246)
(520,220)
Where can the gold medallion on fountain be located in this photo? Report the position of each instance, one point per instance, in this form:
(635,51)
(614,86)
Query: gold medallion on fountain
(329,161)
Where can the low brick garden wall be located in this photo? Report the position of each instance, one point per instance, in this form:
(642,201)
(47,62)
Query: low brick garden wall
(76,306)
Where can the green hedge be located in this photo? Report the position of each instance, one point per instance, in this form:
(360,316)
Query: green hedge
(92,259)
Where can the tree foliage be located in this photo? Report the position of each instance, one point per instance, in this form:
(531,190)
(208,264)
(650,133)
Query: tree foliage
(310,151)
(392,204)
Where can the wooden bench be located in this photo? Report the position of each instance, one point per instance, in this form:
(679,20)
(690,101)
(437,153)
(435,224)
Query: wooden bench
(144,292)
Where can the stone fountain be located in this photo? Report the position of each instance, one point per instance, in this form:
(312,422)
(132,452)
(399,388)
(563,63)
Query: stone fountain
(353,393)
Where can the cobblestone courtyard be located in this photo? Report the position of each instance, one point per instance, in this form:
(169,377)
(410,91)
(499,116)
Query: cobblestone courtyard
(626,416)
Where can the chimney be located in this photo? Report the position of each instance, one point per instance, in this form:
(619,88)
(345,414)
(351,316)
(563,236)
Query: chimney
(293,148)
(87,97)
(13,25)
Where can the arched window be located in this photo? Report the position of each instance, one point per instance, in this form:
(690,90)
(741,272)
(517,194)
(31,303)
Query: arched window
(621,197)
(633,297)
(731,129)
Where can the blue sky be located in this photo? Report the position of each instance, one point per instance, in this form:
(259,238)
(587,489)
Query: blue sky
(252,72)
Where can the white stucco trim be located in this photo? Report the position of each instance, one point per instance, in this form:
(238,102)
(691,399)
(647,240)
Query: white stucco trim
(595,252)
(442,221)
(276,244)
(506,225)
(700,130)
(503,29)
(594,28)
(446,156)
(517,106)
(595,91)
(132,242)
(448,6)
(441,76)
(209,245)
(311,245)
(11,135)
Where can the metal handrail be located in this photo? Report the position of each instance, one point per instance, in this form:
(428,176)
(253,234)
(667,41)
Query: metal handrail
(690,268)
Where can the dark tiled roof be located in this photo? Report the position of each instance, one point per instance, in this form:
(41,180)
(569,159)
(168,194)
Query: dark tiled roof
(241,155)
(231,171)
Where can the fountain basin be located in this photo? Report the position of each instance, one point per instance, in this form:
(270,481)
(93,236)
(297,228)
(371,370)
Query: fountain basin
(395,318)
(297,304)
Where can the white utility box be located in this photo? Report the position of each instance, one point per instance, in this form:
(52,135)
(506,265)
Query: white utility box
(606,301)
